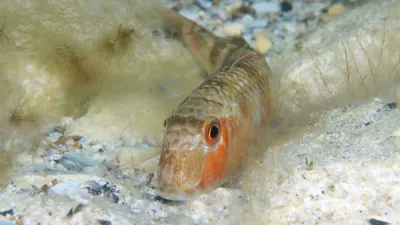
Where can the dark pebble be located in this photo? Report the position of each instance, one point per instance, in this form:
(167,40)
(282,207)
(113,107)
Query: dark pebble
(69,164)
(377,222)
(70,213)
(7,212)
(104,222)
(113,198)
(79,208)
(149,179)
(168,202)
(94,188)
(391,106)
(286,6)
(45,188)
(59,129)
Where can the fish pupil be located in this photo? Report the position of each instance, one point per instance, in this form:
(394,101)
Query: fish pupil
(214,132)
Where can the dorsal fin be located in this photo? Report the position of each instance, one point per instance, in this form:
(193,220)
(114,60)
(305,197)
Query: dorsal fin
(211,51)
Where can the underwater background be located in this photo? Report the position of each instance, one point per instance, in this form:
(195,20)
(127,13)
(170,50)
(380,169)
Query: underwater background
(86,85)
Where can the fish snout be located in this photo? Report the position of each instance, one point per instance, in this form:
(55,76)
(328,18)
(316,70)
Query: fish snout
(177,180)
(166,188)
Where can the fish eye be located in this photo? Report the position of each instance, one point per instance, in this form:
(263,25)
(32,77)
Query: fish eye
(212,132)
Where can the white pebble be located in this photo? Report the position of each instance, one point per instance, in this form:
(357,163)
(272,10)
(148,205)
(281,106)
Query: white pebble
(54,136)
(263,8)
(290,27)
(263,44)
(396,133)
(258,23)
(235,29)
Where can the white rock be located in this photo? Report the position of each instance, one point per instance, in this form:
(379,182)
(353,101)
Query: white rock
(54,136)
(290,27)
(396,133)
(204,4)
(263,44)
(70,188)
(234,29)
(263,8)
(258,23)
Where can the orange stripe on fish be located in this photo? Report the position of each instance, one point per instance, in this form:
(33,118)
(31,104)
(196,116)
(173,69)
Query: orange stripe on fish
(214,132)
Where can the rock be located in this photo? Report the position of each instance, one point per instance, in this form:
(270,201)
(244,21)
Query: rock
(234,29)
(263,8)
(258,23)
(231,9)
(336,9)
(286,6)
(290,27)
(78,160)
(396,133)
(70,188)
(203,4)
(263,44)
(377,222)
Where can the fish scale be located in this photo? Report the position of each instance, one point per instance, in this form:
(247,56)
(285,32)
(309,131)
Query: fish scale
(208,135)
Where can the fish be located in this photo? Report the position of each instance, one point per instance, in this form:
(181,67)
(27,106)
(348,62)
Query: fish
(207,137)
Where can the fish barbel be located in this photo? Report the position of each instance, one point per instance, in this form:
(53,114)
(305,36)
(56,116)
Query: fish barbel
(208,135)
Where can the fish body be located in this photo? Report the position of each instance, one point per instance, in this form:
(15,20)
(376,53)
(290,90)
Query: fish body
(208,135)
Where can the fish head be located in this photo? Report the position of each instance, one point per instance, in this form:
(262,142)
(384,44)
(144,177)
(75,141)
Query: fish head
(194,156)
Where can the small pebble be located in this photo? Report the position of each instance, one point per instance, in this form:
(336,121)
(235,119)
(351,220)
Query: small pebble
(93,187)
(234,29)
(104,222)
(203,4)
(263,44)
(336,9)
(396,133)
(97,146)
(290,27)
(263,8)
(112,197)
(231,9)
(79,208)
(258,23)
(243,10)
(7,212)
(286,6)
(76,137)
(391,105)
(70,142)
(70,188)
(377,222)
(19,220)
(54,136)
(70,213)
(69,164)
